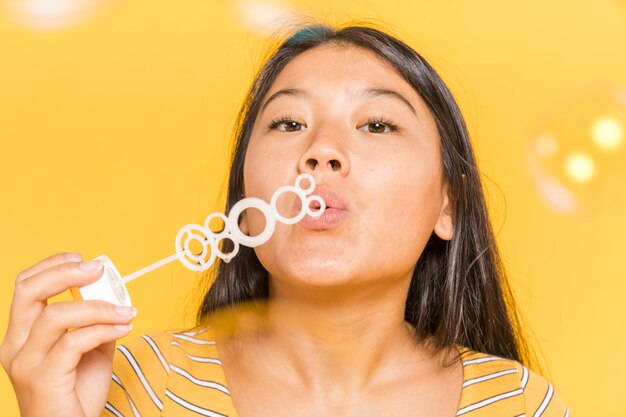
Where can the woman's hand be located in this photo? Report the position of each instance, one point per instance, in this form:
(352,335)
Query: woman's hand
(56,371)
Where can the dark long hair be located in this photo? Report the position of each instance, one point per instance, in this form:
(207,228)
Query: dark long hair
(459,293)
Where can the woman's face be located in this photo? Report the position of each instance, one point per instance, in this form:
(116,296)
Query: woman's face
(367,138)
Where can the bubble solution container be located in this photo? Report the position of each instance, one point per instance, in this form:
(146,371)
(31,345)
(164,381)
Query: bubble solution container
(109,287)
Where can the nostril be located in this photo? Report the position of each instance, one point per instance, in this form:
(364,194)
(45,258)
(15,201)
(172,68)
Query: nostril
(311,163)
(335,165)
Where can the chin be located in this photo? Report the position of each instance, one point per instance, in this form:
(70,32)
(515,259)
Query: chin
(313,271)
(310,264)
(322,277)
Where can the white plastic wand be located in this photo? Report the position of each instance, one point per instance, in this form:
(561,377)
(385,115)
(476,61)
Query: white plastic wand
(112,287)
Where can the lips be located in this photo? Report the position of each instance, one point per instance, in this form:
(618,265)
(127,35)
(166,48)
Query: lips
(335,213)
(331,198)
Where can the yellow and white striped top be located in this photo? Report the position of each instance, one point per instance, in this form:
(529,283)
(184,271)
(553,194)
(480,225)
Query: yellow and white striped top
(180,375)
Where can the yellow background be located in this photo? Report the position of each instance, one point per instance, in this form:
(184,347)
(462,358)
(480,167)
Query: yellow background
(114,132)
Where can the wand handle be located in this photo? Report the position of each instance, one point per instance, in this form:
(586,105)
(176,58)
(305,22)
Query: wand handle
(149,268)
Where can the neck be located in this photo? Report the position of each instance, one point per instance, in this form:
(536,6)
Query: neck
(342,342)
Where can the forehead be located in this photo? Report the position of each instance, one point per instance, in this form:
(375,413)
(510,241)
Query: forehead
(342,69)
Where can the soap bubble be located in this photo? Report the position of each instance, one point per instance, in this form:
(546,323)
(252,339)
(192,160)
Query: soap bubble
(265,16)
(46,15)
(577,156)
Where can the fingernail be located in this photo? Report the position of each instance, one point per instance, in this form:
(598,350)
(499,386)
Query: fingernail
(74,257)
(126,311)
(123,328)
(90,266)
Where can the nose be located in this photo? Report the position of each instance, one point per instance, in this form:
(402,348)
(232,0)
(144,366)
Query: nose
(322,157)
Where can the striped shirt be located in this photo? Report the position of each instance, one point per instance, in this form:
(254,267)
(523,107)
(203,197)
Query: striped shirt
(180,374)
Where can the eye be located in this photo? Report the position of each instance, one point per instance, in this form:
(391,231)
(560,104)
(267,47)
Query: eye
(286,124)
(380,124)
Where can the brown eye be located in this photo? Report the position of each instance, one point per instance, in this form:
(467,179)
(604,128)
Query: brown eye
(285,125)
(381,125)
(292,126)
(376,128)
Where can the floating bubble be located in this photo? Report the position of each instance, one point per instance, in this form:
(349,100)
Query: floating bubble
(580,167)
(577,156)
(47,15)
(265,16)
(607,133)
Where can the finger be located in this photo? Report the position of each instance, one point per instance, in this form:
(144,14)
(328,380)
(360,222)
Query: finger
(66,354)
(55,320)
(32,293)
(107,349)
(35,290)
(49,262)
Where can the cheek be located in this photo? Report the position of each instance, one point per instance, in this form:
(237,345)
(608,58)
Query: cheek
(404,208)
(402,227)
(263,174)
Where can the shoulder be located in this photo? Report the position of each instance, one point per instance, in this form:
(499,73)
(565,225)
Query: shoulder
(148,349)
(168,371)
(156,353)
(540,396)
(159,345)
(139,377)
(493,383)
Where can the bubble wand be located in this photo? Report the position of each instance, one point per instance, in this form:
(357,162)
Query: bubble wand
(111,286)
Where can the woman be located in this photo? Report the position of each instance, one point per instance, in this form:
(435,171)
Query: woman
(393,303)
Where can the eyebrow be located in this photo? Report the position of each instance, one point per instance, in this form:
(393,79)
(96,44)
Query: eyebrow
(368,92)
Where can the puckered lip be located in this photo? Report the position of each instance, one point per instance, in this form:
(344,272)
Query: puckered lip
(330,197)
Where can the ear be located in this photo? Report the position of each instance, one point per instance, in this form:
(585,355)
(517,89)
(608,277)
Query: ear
(444,227)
